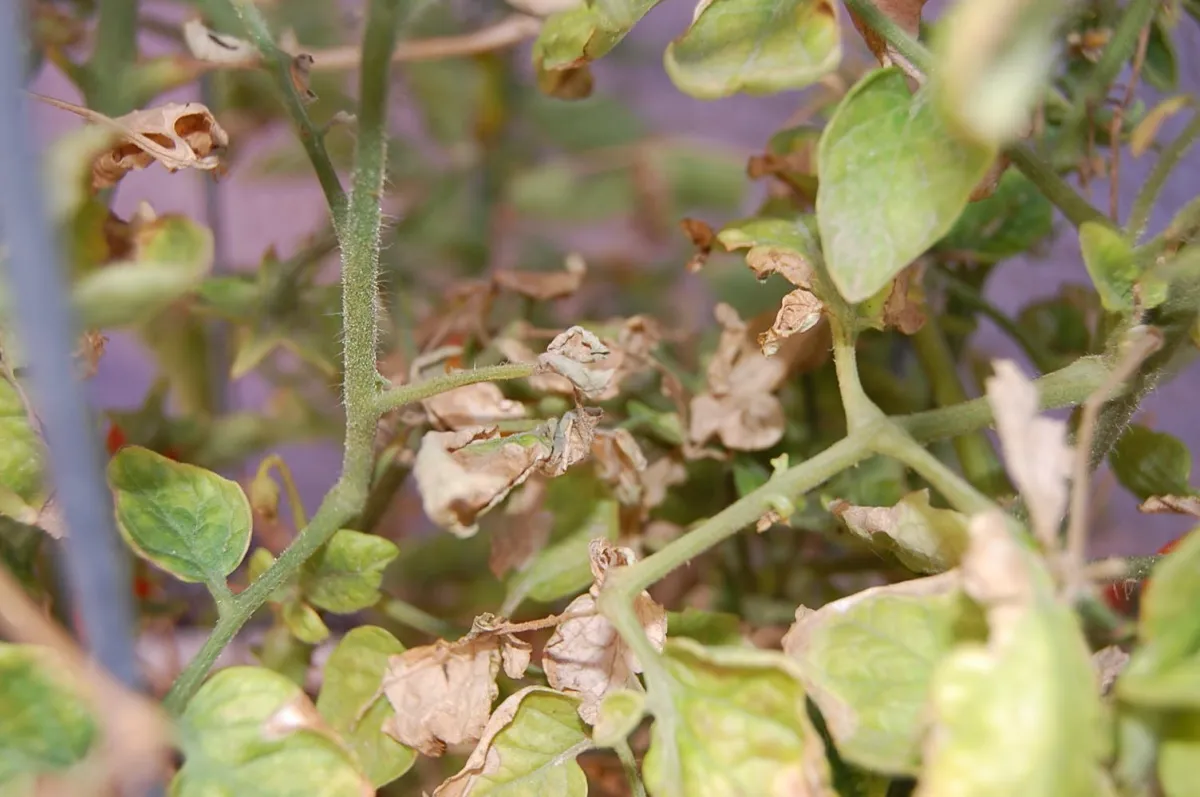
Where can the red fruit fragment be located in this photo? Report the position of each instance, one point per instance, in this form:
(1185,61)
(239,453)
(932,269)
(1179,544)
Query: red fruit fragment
(115,440)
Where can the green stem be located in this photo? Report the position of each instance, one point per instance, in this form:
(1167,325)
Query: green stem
(1060,193)
(279,63)
(898,37)
(979,462)
(1164,167)
(1121,46)
(408,394)
(115,54)
(894,442)
(860,410)
(1042,359)
(359,237)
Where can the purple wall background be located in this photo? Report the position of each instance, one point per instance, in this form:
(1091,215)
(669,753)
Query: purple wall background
(257,214)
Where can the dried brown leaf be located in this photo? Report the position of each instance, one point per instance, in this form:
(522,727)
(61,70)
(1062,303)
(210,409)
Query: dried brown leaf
(743,422)
(516,351)
(703,238)
(573,436)
(620,463)
(525,530)
(570,354)
(987,185)
(459,481)
(799,312)
(904,309)
(442,693)
(541,285)
(471,405)
(659,477)
(1036,453)
(217,48)
(586,656)
(178,136)
(787,263)
(1171,504)
(299,70)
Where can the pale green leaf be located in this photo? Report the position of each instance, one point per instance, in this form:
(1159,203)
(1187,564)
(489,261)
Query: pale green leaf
(707,628)
(868,659)
(994,61)
(250,730)
(353,705)
(528,749)
(187,520)
(1110,263)
(345,574)
(617,715)
(924,538)
(304,623)
(1179,756)
(20,449)
(889,153)
(44,725)
(737,725)
(755,46)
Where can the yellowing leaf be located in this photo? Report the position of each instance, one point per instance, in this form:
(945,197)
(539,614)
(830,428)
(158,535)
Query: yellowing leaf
(891,152)
(738,724)
(571,39)
(187,520)
(352,704)
(868,660)
(1036,454)
(528,749)
(925,539)
(345,574)
(1113,268)
(1144,135)
(586,656)
(755,46)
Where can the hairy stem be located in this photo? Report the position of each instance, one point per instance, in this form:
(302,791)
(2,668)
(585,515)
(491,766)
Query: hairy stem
(979,462)
(408,394)
(278,63)
(359,237)
(116,50)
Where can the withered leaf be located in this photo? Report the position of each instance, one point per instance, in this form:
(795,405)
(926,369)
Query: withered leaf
(586,656)
(463,474)
(924,538)
(178,136)
(1036,453)
(547,382)
(525,530)
(442,693)
(572,442)
(299,70)
(471,405)
(904,309)
(217,48)
(702,237)
(621,463)
(570,353)
(1171,504)
(799,311)
(544,286)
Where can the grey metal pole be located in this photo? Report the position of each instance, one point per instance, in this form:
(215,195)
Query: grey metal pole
(96,573)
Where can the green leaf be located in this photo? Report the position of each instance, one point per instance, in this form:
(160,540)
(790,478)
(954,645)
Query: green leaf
(344,575)
(924,538)
(570,40)
(1150,463)
(994,62)
(1164,671)
(737,724)
(172,255)
(755,46)
(1006,224)
(186,520)
(304,623)
(249,730)
(618,714)
(1019,718)
(20,449)
(528,749)
(707,628)
(44,725)
(353,705)
(868,660)
(1160,68)
(1179,755)
(761,236)
(563,569)
(891,152)
(1110,263)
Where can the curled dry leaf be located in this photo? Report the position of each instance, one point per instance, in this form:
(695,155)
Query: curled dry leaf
(1171,504)
(548,382)
(463,474)
(543,286)
(299,70)
(1036,453)
(904,309)
(586,656)
(924,538)
(702,237)
(739,407)
(471,405)
(621,463)
(178,136)
(799,312)
(442,693)
(570,353)
(572,440)
(217,48)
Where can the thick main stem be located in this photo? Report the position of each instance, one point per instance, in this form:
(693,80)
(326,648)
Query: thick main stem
(116,50)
